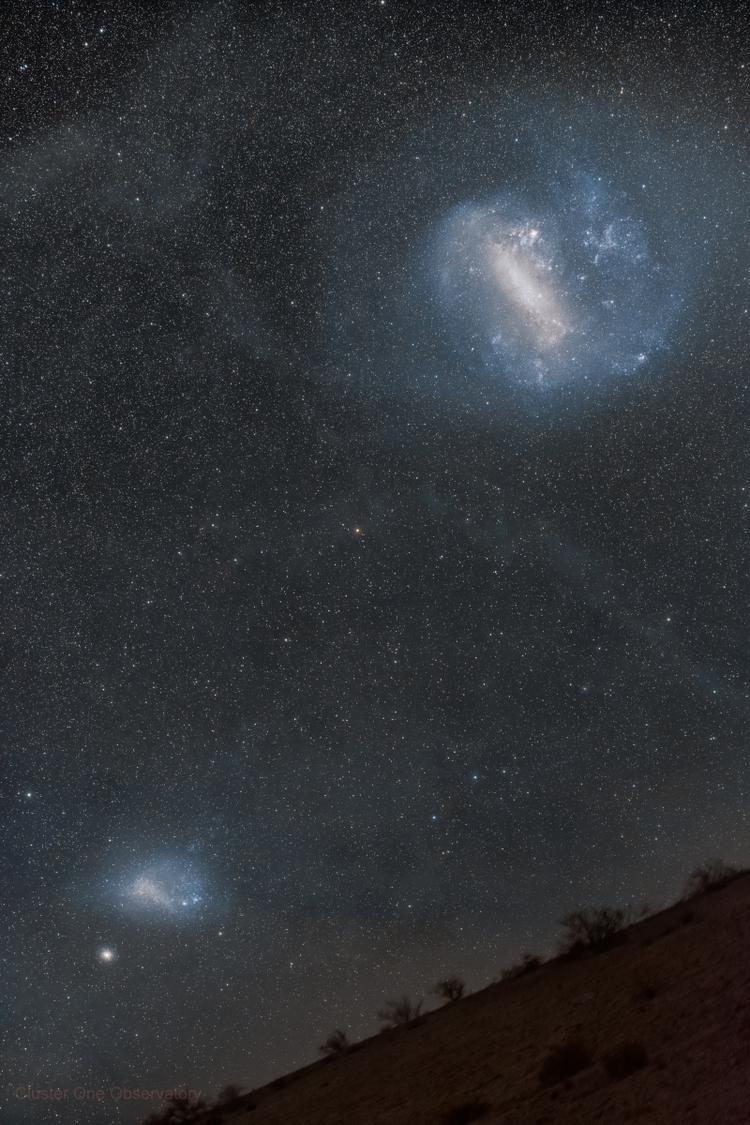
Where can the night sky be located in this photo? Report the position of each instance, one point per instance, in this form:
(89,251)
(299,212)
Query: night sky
(375,484)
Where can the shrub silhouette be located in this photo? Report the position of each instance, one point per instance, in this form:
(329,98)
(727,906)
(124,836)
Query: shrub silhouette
(528,963)
(176,1110)
(564,1062)
(466,1113)
(710,876)
(399,1013)
(592,928)
(229,1094)
(625,1060)
(645,990)
(452,988)
(336,1043)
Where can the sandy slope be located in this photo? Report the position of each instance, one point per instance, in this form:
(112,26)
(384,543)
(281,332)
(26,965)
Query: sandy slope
(489,1047)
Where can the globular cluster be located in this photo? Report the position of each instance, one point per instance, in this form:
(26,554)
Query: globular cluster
(374,496)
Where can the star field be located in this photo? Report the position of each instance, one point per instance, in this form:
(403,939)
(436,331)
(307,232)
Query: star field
(375,489)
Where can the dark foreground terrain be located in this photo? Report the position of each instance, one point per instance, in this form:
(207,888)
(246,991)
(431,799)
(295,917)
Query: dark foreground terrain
(655,1029)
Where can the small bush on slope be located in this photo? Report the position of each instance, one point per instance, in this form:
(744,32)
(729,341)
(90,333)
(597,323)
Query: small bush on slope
(176,1111)
(336,1043)
(528,964)
(710,876)
(625,1060)
(592,928)
(399,1013)
(564,1062)
(452,988)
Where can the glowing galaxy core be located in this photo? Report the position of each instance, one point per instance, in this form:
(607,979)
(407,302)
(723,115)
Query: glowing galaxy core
(520,275)
(166,888)
(574,291)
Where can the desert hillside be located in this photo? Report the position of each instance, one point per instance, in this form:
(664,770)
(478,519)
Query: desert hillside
(655,1029)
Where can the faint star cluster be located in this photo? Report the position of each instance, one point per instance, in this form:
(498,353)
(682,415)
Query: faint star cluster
(167,888)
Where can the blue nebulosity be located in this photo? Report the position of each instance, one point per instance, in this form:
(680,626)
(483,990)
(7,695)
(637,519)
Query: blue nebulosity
(165,888)
(576,290)
(529,254)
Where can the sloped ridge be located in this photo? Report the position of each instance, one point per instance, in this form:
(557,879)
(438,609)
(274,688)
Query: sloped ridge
(656,1029)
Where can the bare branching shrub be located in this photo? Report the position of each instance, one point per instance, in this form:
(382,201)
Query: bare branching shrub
(399,1013)
(564,1062)
(176,1111)
(452,988)
(596,927)
(336,1043)
(229,1094)
(625,1060)
(710,876)
(466,1113)
(528,963)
